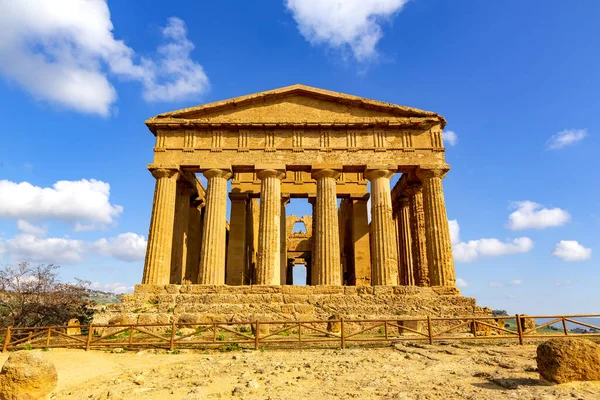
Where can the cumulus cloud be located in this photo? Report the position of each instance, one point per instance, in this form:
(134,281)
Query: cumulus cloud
(127,247)
(571,250)
(63,52)
(530,215)
(84,203)
(461,283)
(486,247)
(344,25)
(115,287)
(517,282)
(26,227)
(450,137)
(566,138)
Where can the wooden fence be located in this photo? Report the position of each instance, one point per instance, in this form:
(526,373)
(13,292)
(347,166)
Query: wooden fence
(341,333)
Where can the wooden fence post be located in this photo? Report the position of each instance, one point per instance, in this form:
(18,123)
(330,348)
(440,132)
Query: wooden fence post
(474,328)
(89,337)
(564,323)
(256,335)
(173,329)
(342,334)
(519,329)
(430,329)
(6,340)
(48,337)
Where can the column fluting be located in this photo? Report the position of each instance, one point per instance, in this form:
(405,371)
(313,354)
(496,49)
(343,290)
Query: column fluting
(268,268)
(439,247)
(418,237)
(157,266)
(212,256)
(326,259)
(384,251)
(406,277)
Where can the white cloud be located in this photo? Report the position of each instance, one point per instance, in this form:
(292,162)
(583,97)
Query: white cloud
(461,283)
(127,247)
(566,138)
(115,287)
(31,229)
(343,25)
(62,52)
(84,203)
(450,137)
(454,231)
(571,250)
(496,284)
(530,215)
(517,282)
(27,247)
(486,247)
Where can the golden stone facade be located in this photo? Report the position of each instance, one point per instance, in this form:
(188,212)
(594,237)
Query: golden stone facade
(299,142)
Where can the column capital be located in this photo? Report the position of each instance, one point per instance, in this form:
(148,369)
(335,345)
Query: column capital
(428,173)
(413,188)
(325,173)
(269,173)
(237,196)
(403,200)
(163,171)
(371,174)
(217,173)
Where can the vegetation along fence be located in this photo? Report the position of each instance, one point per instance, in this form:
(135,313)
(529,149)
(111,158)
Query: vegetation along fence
(341,333)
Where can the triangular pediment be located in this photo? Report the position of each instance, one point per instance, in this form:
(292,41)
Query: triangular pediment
(294,104)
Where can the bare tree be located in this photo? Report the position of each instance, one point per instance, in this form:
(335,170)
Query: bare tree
(33,296)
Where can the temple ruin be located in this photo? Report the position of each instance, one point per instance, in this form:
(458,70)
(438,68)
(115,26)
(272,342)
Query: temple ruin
(338,152)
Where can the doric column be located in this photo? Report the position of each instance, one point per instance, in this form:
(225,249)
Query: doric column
(212,258)
(236,250)
(384,254)
(194,241)
(418,239)
(360,239)
(268,267)
(157,268)
(283,241)
(326,260)
(405,244)
(311,271)
(180,231)
(439,247)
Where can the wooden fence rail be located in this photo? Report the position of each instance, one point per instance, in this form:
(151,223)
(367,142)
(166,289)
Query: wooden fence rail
(255,334)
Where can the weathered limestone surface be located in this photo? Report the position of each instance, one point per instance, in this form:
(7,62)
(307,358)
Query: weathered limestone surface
(418,238)
(180,232)
(212,258)
(157,268)
(360,237)
(283,245)
(236,249)
(27,375)
(268,267)
(161,303)
(385,255)
(439,247)
(406,276)
(326,260)
(567,360)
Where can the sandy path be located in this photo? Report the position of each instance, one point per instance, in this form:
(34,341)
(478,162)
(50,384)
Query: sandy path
(404,371)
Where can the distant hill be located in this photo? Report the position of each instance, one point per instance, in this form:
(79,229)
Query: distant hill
(101,297)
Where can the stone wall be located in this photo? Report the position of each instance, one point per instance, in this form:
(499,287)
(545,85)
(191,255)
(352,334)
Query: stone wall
(162,303)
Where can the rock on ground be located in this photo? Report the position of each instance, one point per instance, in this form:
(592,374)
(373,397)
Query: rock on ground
(27,375)
(568,360)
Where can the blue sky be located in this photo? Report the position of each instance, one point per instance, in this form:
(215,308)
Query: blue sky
(517,81)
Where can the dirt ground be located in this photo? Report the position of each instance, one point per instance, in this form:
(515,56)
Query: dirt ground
(402,371)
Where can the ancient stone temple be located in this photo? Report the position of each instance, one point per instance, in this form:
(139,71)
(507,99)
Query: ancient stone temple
(337,151)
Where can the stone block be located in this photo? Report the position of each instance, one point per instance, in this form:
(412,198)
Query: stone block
(73,327)
(334,326)
(567,360)
(27,375)
(411,324)
(304,308)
